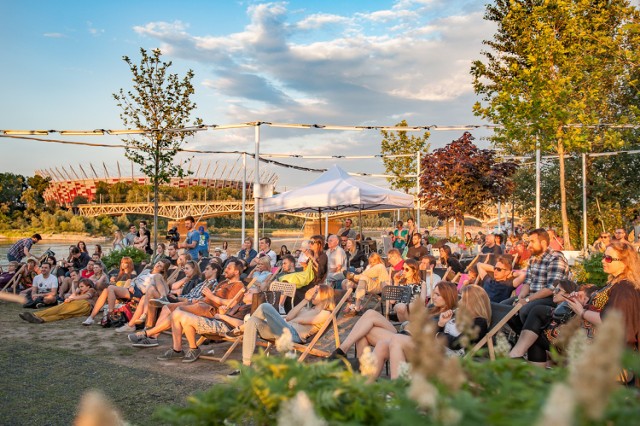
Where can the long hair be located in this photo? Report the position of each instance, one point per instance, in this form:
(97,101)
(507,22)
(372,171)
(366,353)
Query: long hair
(167,264)
(354,246)
(326,296)
(374,259)
(629,257)
(475,303)
(127,268)
(413,275)
(449,292)
(196,268)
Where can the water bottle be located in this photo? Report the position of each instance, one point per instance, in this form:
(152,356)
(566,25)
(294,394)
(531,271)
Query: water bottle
(105,310)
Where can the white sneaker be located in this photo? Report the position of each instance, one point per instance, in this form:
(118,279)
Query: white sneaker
(281,310)
(88,321)
(126,328)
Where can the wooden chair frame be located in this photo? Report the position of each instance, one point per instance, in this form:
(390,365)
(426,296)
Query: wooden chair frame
(495,328)
(13,281)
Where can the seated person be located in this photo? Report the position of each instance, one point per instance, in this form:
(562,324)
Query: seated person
(476,306)
(288,267)
(87,271)
(356,258)
(141,240)
(177,272)
(373,327)
(261,273)
(189,281)
(449,261)
(136,287)
(472,275)
(28,274)
(44,290)
(371,280)
(303,321)
(189,324)
(207,306)
(69,284)
(499,281)
(99,277)
(77,304)
(410,274)
(126,272)
(7,276)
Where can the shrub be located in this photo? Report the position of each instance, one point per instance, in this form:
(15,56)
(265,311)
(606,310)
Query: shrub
(112,260)
(590,270)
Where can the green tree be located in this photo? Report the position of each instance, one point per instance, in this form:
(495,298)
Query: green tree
(553,64)
(158,103)
(394,143)
(11,188)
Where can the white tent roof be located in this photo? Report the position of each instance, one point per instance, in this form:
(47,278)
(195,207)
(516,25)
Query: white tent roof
(337,191)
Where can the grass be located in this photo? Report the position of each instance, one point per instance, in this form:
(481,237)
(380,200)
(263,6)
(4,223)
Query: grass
(47,368)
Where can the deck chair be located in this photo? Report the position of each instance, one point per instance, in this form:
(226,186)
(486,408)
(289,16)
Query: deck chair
(287,289)
(309,348)
(500,315)
(13,282)
(397,293)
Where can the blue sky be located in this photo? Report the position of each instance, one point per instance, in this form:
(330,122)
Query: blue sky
(328,62)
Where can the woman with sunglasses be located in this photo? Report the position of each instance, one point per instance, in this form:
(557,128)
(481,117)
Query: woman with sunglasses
(410,274)
(621,293)
(600,245)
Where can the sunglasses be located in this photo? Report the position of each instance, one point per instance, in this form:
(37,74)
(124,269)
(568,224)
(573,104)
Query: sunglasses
(557,290)
(406,269)
(498,269)
(609,259)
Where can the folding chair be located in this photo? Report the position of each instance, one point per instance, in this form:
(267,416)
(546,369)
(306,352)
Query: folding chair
(397,293)
(500,315)
(14,280)
(287,289)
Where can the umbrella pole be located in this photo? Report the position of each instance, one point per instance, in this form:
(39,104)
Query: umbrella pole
(360,222)
(319,221)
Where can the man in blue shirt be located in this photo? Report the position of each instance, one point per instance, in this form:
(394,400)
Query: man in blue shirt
(203,242)
(21,248)
(247,253)
(193,237)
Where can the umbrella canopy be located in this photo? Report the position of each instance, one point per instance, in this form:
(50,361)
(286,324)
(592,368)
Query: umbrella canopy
(335,190)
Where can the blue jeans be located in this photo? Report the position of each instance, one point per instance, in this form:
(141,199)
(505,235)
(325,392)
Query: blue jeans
(268,323)
(12,258)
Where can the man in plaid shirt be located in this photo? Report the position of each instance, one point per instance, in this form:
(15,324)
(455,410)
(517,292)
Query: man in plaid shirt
(545,267)
(21,248)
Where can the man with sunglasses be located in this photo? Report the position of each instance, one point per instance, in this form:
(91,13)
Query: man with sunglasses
(546,266)
(601,243)
(620,234)
(499,280)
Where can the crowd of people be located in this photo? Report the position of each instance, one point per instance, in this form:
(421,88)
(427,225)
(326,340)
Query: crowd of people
(189,291)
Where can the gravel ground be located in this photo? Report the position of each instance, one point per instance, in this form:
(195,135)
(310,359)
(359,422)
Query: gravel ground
(46,368)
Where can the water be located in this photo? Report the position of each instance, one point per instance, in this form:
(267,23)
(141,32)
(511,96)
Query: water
(61,247)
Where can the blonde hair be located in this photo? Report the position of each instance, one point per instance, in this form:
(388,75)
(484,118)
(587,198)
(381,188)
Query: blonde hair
(629,257)
(326,296)
(354,246)
(475,303)
(374,258)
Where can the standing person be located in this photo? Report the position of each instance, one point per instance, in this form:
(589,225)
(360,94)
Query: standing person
(77,304)
(346,230)
(44,289)
(337,261)
(132,234)
(147,233)
(545,267)
(247,253)
(411,229)
(203,242)
(119,241)
(416,249)
(21,248)
(193,237)
(399,236)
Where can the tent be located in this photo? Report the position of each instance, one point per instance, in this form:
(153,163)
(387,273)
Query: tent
(336,190)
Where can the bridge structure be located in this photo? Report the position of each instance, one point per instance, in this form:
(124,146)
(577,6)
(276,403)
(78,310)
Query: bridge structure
(177,210)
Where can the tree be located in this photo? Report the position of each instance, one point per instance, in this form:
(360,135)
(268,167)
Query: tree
(158,103)
(11,188)
(555,64)
(394,143)
(462,179)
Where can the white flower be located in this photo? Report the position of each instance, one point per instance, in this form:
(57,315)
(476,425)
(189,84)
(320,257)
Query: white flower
(284,343)
(299,412)
(575,351)
(502,347)
(404,370)
(423,392)
(368,363)
(559,408)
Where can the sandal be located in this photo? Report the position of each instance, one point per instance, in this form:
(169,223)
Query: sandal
(236,332)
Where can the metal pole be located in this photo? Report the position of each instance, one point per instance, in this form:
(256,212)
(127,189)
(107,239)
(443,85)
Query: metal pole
(418,190)
(244,195)
(584,202)
(326,225)
(256,184)
(538,187)
(499,211)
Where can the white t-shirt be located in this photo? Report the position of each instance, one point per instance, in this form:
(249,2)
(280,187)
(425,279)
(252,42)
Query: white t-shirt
(273,256)
(144,280)
(45,285)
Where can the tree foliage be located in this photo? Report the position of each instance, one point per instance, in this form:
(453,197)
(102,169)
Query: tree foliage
(158,103)
(553,64)
(399,143)
(462,179)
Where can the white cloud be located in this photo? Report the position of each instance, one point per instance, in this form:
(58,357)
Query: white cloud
(54,35)
(319,20)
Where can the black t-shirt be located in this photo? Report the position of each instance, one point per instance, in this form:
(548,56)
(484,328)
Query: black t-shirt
(417,252)
(496,249)
(82,261)
(497,290)
(454,264)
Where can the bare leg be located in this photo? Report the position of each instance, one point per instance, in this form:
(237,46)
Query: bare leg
(138,312)
(176,331)
(381,351)
(402,310)
(371,327)
(399,345)
(65,286)
(99,304)
(525,341)
(115,292)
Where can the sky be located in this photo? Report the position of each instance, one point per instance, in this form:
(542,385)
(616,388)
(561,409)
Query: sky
(370,62)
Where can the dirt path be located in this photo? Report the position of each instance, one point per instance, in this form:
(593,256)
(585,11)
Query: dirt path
(44,369)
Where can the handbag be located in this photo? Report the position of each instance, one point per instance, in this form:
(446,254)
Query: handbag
(270,297)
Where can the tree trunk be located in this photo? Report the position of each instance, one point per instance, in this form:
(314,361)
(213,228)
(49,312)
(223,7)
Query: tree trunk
(462,228)
(446,227)
(156,184)
(563,199)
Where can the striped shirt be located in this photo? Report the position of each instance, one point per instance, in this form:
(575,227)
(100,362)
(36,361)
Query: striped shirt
(545,269)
